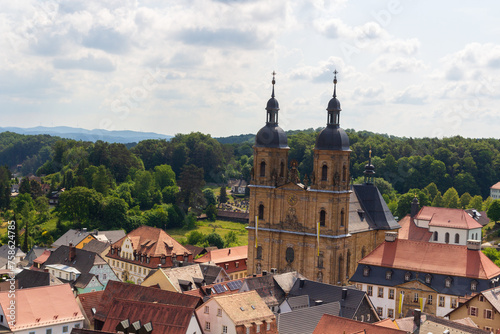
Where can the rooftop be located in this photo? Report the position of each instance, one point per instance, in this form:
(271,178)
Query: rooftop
(445,217)
(225,255)
(330,324)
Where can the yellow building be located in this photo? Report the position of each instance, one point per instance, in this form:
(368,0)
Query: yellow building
(320,226)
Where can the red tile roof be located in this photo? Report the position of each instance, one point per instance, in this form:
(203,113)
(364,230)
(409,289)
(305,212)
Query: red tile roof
(164,318)
(42,258)
(225,255)
(496,186)
(445,217)
(330,324)
(153,241)
(90,300)
(133,292)
(431,257)
(43,306)
(410,231)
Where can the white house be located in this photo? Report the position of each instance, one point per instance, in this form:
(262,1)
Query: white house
(495,191)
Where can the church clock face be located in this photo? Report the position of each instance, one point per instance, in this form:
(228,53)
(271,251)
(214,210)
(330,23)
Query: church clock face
(292,200)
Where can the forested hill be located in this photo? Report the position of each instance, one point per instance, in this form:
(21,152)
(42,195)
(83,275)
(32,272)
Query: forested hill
(468,165)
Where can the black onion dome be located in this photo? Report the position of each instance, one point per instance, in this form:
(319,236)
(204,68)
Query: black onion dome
(271,136)
(272,105)
(332,138)
(334,105)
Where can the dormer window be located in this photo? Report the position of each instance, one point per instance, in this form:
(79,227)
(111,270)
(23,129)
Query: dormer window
(366,271)
(473,285)
(428,278)
(147,259)
(163,260)
(407,276)
(388,274)
(447,282)
(112,251)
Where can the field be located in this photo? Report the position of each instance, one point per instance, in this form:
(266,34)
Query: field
(220,226)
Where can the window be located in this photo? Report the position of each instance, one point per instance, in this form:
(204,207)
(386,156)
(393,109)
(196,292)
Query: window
(268,326)
(380,311)
(488,314)
(447,282)
(369,290)
(224,329)
(163,260)
(48,331)
(324,173)
(342,217)
(390,313)
(322,218)
(282,169)
(415,297)
(65,329)
(227,266)
(259,252)
(219,312)
(366,271)
(489,329)
(473,287)
(473,311)
(381,292)
(320,260)
(429,300)
(391,293)
(441,301)
(207,326)
(435,236)
(257,328)
(236,264)
(388,274)
(481,298)
(359,286)
(207,309)
(77,325)
(428,278)
(407,276)
(263,169)
(248,330)
(453,302)
(261,212)
(457,238)
(344,173)
(447,238)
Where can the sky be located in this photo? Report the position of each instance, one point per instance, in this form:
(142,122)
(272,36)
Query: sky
(405,67)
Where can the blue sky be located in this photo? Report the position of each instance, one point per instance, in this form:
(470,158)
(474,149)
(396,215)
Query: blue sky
(406,68)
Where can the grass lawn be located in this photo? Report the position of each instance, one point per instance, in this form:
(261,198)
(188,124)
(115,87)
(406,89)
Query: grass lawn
(221,227)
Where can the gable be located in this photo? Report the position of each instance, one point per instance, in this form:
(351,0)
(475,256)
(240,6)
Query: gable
(416,285)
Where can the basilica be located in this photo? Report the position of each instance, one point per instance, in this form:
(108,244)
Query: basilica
(322,225)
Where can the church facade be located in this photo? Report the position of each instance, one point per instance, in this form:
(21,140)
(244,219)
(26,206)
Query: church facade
(319,226)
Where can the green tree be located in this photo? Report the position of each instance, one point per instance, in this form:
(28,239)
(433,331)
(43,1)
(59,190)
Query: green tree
(209,196)
(25,187)
(4,187)
(451,199)
(164,176)
(177,218)
(214,239)
(195,238)
(476,203)
(191,195)
(211,212)
(230,239)
(493,212)
(156,217)
(438,201)
(465,200)
(80,204)
(102,180)
(113,213)
(35,189)
(432,189)
(169,194)
(223,195)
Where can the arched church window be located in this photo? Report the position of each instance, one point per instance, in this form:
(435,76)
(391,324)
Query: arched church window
(447,238)
(259,253)
(322,218)
(324,173)
(342,217)
(435,236)
(261,212)
(290,255)
(348,263)
(457,238)
(341,266)
(344,173)
(263,168)
(282,169)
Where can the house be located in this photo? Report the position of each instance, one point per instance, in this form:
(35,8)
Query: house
(86,271)
(483,309)
(144,249)
(401,275)
(98,247)
(177,279)
(495,191)
(267,288)
(40,260)
(54,196)
(213,274)
(238,187)
(89,302)
(33,253)
(354,304)
(10,260)
(47,309)
(332,324)
(238,313)
(128,293)
(79,238)
(421,323)
(439,225)
(233,260)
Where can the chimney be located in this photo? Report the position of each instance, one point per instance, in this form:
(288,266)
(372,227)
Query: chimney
(264,272)
(301,283)
(229,251)
(318,302)
(473,244)
(391,236)
(344,293)
(72,252)
(416,317)
(414,207)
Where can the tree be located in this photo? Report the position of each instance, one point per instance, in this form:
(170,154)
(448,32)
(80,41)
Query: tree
(209,196)
(25,187)
(190,195)
(493,212)
(223,195)
(214,239)
(35,189)
(451,199)
(4,187)
(211,212)
(169,194)
(80,204)
(102,180)
(113,213)
(230,239)
(438,200)
(432,189)
(476,203)
(465,200)
(164,176)
(195,238)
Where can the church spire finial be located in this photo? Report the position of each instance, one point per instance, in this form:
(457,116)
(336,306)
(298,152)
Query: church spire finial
(273,82)
(335,83)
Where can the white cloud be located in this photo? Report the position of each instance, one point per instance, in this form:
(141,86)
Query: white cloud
(411,95)
(390,63)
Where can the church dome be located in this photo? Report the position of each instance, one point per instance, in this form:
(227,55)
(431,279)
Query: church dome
(332,138)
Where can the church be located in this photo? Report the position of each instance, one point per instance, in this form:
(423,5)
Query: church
(320,226)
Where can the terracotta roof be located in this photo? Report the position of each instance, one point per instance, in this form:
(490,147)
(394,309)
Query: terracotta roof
(90,300)
(410,231)
(433,258)
(115,289)
(387,323)
(42,258)
(496,186)
(330,324)
(153,241)
(445,217)
(225,255)
(43,306)
(168,319)
(244,307)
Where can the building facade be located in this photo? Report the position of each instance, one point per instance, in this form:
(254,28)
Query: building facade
(319,226)
(495,191)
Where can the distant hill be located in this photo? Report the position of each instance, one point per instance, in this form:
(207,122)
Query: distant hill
(125,136)
(237,139)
